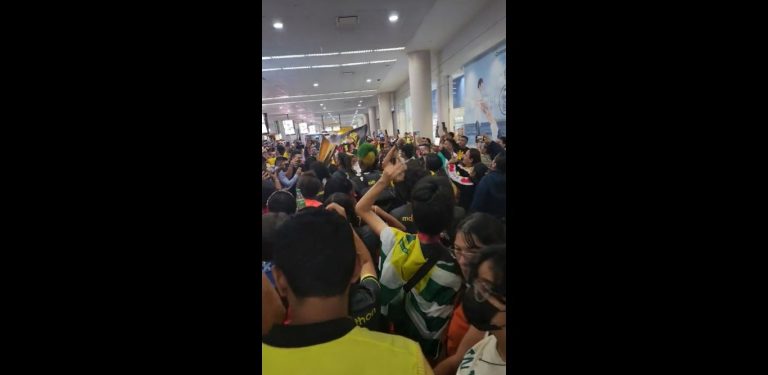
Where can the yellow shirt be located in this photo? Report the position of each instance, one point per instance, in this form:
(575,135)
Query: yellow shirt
(357,351)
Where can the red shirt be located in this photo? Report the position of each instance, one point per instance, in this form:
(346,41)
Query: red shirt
(312,203)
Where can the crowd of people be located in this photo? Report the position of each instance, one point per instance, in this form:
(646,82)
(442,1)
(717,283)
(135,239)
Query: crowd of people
(387,257)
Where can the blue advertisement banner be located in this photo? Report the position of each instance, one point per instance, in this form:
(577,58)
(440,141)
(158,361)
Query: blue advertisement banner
(485,105)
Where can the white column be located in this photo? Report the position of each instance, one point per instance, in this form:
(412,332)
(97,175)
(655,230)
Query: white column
(385,113)
(372,118)
(419,78)
(443,103)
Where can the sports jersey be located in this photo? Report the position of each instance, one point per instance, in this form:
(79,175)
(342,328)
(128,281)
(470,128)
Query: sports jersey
(423,313)
(483,359)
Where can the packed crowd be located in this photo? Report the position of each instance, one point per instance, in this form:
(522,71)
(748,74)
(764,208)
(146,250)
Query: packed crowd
(389,257)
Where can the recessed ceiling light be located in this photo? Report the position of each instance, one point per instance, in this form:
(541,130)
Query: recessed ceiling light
(315,84)
(279,25)
(368,80)
(392,18)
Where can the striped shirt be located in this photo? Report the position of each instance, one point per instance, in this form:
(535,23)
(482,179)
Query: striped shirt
(423,314)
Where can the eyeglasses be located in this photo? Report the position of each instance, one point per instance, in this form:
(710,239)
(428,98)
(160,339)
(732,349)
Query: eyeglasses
(456,252)
(483,290)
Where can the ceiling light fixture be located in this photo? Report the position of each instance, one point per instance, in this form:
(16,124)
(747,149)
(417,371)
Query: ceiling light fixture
(296,67)
(316,100)
(333,53)
(329,66)
(315,84)
(311,95)
(279,25)
(368,80)
(382,61)
(393,18)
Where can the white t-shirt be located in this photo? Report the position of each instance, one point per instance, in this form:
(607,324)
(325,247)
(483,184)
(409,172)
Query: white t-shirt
(483,359)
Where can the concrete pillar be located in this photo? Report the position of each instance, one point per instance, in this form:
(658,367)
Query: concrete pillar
(443,102)
(372,118)
(385,113)
(419,78)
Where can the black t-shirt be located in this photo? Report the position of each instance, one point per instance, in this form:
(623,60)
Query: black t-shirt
(404,214)
(364,304)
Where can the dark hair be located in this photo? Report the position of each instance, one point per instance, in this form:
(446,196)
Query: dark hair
(320,170)
(408,150)
(432,201)
(344,200)
(281,149)
(345,161)
(310,185)
(480,82)
(279,160)
(486,228)
(475,154)
(465,137)
(433,162)
(497,255)
(404,188)
(269,224)
(451,134)
(503,139)
(320,261)
(267,188)
(282,201)
(501,162)
(338,184)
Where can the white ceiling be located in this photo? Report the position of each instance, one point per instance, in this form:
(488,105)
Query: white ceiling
(310,27)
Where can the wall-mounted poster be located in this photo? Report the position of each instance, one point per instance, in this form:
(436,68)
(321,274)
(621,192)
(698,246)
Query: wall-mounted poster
(288,128)
(264,128)
(303,128)
(485,99)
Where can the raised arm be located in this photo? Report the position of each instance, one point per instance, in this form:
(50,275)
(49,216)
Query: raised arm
(389,219)
(366,263)
(364,207)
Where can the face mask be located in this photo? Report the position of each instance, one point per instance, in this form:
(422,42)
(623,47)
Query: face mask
(479,314)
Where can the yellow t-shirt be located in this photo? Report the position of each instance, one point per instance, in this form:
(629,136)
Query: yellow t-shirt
(359,351)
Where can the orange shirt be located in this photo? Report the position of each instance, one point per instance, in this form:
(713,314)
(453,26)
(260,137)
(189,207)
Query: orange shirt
(456,330)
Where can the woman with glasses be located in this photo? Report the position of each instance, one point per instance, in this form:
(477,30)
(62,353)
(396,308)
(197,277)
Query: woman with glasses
(485,305)
(475,232)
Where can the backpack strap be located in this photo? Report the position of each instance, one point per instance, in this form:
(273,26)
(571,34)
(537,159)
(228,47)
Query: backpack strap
(422,271)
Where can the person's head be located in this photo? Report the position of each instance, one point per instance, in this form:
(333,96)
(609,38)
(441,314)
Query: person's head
(345,161)
(472,157)
(475,232)
(451,135)
(267,188)
(308,164)
(463,139)
(503,141)
(296,158)
(480,84)
(281,163)
(448,145)
(321,171)
(367,155)
(500,163)
(408,151)
(404,188)
(269,224)
(348,203)
(280,150)
(339,184)
(310,185)
(315,256)
(423,149)
(485,301)
(281,201)
(432,202)
(433,162)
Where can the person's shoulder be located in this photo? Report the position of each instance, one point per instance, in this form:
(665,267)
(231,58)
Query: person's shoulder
(386,341)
